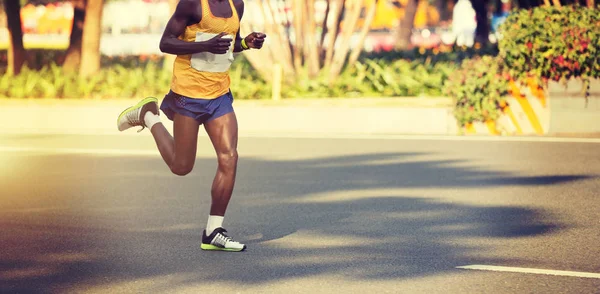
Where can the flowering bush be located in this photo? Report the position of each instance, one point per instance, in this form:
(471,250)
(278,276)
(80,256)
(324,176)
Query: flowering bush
(551,43)
(479,89)
(538,45)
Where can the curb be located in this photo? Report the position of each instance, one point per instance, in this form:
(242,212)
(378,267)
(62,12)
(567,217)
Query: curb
(428,116)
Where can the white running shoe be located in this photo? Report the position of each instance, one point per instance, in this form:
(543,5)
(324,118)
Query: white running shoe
(219,240)
(134,115)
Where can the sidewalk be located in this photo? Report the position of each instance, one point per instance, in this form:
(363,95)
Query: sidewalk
(377,116)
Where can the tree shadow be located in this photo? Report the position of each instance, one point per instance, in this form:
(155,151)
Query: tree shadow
(127,219)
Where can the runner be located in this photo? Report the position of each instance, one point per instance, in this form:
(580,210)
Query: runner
(203,34)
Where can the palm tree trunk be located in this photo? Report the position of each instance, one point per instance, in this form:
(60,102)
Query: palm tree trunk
(16,52)
(92,32)
(73,56)
(406,25)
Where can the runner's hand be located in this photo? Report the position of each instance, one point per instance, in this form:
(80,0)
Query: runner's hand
(255,40)
(218,44)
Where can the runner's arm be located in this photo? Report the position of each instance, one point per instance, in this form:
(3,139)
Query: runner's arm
(239,6)
(170,42)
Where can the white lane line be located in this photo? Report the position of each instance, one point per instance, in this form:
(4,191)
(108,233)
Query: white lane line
(530,271)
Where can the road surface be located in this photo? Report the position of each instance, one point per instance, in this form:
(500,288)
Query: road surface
(103,214)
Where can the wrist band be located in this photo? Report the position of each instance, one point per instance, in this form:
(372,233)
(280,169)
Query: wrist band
(244,45)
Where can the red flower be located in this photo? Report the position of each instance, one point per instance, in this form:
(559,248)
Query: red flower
(529,45)
(560,60)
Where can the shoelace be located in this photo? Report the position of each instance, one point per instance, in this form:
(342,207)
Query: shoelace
(221,240)
(133,118)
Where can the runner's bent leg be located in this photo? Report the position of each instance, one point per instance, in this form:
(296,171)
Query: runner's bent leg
(178,152)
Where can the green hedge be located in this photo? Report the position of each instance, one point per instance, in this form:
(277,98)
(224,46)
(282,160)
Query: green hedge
(378,78)
(115,81)
(138,76)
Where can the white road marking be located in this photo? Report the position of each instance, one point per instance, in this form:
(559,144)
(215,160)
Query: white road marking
(530,271)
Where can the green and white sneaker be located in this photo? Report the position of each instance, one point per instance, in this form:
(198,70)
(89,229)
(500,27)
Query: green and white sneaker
(219,241)
(134,115)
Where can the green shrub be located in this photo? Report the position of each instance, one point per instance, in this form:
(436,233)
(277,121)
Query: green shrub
(115,81)
(39,58)
(377,78)
(550,43)
(145,77)
(479,89)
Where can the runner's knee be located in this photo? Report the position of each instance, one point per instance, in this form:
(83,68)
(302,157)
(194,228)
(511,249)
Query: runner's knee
(228,159)
(182,168)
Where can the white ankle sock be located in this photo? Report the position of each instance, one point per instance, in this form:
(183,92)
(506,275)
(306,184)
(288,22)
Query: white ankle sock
(150,119)
(214,221)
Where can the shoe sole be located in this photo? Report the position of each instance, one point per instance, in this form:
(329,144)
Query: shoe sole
(138,105)
(215,248)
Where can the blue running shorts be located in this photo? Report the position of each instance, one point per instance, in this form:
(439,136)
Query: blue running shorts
(202,110)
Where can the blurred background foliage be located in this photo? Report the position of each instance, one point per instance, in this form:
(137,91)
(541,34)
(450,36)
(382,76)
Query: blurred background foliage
(469,50)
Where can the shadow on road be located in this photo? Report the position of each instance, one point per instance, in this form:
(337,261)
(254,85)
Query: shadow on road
(77,221)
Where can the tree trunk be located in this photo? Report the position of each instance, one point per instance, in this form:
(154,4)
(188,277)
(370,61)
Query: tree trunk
(406,25)
(92,32)
(279,51)
(324,27)
(442,8)
(482,31)
(16,51)
(170,58)
(298,33)
(363,34)
(73,56)
(339,57)
(333,31)
(312,47)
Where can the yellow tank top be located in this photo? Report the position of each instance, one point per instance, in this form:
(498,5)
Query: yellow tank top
(205,75)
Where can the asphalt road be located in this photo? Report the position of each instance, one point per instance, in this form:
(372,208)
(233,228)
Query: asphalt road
(103,214)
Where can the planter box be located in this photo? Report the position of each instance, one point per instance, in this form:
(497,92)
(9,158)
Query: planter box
(569,110)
